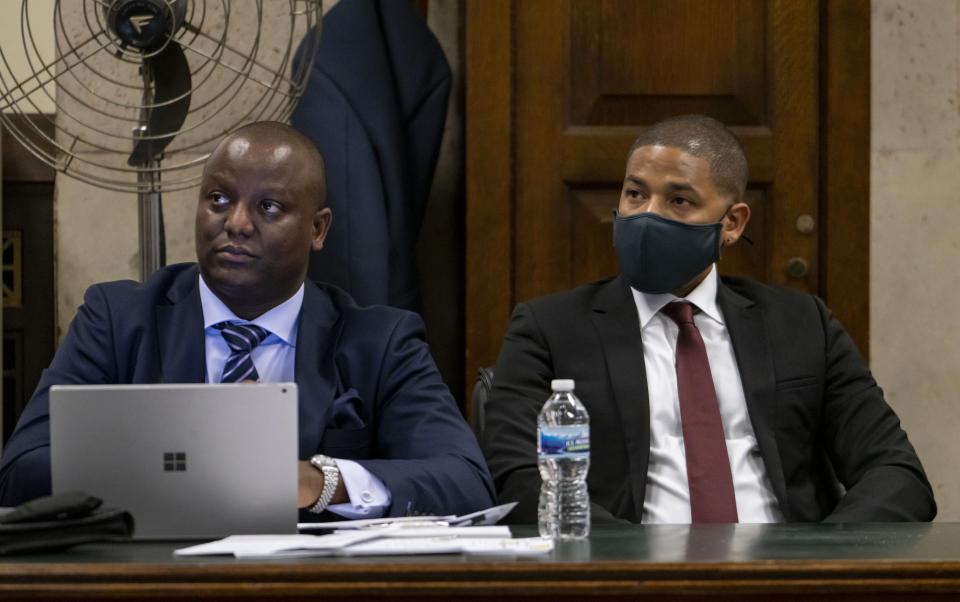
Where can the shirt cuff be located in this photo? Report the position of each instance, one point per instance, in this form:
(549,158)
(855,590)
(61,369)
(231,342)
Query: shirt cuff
(369,497)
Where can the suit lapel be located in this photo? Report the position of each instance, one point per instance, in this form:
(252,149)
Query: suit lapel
(315,369)
(618,328)
(180,332)
(751,347)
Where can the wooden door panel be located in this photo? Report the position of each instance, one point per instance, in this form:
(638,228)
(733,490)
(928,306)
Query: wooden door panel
(743,258)
(591,235)
(541,235)
(641,61)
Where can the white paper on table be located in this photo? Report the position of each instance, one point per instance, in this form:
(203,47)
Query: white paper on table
(400,530)
(425,540)
(364,543)
(488,516)
(273,545)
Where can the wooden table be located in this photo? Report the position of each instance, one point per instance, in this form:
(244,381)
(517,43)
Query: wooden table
(735,562)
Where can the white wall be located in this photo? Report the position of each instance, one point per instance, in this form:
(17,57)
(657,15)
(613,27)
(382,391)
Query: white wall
(915,228)
(40,16)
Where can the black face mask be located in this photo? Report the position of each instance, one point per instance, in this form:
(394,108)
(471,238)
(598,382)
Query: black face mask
(659,255)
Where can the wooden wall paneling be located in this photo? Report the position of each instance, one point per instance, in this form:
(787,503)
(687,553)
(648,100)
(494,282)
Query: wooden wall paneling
(794,48)
(489,182)
(751,259)
(639,61)
(591,239)
(542,228)
(845,166)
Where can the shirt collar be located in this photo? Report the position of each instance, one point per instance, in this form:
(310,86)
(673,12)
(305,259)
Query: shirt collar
(703,297)
(280,320)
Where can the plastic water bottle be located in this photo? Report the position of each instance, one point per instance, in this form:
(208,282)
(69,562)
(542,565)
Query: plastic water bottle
(563,449)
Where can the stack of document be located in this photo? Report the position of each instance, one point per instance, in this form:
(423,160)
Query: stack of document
(470,534)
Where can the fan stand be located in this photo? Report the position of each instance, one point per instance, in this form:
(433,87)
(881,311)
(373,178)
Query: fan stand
(149,205)
(150,216)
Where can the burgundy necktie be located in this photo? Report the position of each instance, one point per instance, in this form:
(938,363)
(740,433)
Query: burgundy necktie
(708,469)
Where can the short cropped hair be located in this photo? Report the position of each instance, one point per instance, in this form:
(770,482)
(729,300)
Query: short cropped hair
(707,138)
(275,130)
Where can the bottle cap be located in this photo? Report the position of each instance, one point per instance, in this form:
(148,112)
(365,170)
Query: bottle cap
(562,384)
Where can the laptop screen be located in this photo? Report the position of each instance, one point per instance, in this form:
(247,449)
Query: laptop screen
(187,460)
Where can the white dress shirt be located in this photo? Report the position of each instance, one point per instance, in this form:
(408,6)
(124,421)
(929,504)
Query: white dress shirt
(667,498)
(275,361)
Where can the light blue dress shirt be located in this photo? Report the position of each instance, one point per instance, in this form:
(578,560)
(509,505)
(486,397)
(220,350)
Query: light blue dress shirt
(275,361)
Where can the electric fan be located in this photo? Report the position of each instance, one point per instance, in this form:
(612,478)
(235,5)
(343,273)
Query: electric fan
(143,89)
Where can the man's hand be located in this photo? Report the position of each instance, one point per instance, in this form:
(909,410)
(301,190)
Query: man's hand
(310,485)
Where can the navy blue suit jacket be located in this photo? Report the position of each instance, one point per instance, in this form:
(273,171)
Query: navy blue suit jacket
(375,105)
(369,389)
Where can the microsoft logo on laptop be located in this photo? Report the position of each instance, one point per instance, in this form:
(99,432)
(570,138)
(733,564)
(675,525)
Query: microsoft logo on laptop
(174,461)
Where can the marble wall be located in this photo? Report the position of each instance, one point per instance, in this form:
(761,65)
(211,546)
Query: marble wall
(914,240)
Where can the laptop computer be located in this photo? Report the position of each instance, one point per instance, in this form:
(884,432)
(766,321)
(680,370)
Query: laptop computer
(189,461)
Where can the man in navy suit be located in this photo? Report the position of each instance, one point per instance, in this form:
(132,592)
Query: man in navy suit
(794,426)
(380,433)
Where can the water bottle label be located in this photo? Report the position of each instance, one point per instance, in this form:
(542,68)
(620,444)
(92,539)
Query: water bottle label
(564,441)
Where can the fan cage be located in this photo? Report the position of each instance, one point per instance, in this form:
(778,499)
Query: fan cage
(241,70)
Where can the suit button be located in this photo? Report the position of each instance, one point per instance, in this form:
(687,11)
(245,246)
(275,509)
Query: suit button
(366,497)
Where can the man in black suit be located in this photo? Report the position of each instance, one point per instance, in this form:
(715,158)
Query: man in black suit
(806,432)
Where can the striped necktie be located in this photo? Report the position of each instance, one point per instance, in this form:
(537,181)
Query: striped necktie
(241,338)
